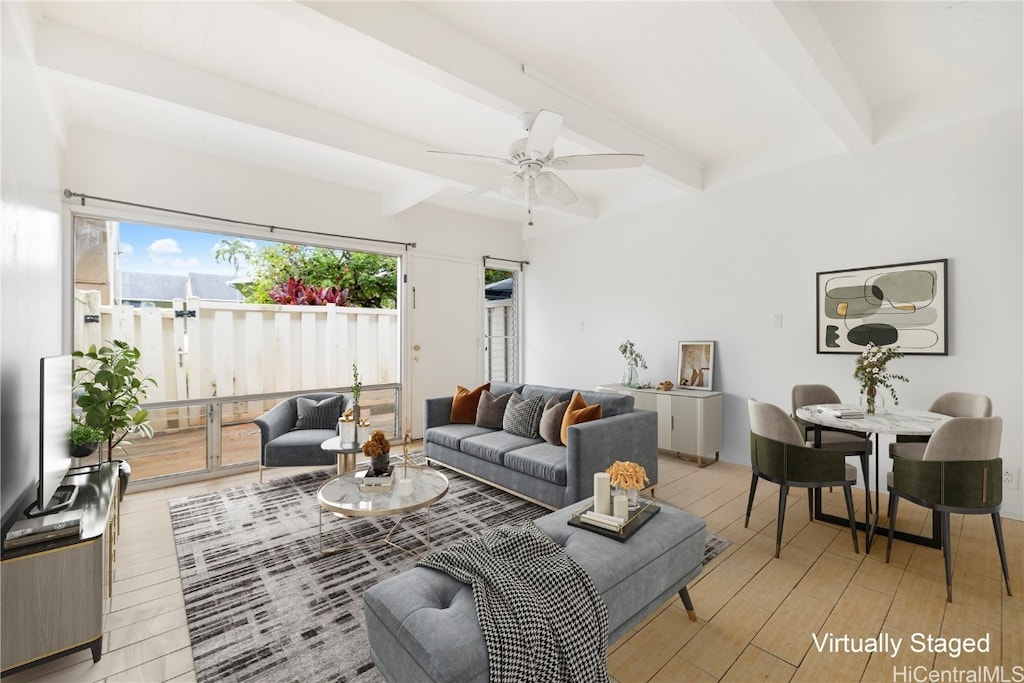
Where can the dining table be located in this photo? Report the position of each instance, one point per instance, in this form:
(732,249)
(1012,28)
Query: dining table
(891,421)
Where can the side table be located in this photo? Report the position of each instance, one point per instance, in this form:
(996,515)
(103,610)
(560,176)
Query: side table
(346,451)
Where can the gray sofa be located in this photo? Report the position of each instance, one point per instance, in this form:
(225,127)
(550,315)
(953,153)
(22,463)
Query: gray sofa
(281,445)
(554,476)
(422,624)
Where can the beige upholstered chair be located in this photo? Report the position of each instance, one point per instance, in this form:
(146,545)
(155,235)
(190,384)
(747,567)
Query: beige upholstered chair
(954,404)
(850,442)
(960,471)
(779,453)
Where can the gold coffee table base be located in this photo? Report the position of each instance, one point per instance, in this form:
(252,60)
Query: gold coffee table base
(369,544)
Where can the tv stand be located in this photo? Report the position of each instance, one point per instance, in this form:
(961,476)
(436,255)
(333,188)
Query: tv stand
(63,499)
(55,593)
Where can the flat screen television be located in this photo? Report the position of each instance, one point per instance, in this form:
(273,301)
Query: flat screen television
(55,406)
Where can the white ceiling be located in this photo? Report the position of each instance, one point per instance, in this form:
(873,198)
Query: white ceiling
(356,92)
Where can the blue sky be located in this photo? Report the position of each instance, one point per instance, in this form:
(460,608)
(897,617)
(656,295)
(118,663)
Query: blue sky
(153,249)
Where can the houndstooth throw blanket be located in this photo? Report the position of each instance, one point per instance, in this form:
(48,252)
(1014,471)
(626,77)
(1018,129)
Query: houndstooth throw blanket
(540,614)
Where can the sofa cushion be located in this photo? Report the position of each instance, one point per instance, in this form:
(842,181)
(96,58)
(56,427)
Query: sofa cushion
(546,392)
(611,404)
(551,421)
(300,447)
(577,412)
(522,416)
(491,410)
(464,404)
(451,436)
(493,446)
(319,414)
(541,460)
(499,388)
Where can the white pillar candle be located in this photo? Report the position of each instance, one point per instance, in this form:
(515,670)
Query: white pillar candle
(621,506)
(404,487)
(602,493)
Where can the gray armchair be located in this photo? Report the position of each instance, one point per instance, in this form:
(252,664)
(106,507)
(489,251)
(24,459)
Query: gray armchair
(284,445)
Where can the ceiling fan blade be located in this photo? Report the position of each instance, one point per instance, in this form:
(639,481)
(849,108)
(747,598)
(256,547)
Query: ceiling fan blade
(597,162)
(549,186)
(480,157)
(543,133)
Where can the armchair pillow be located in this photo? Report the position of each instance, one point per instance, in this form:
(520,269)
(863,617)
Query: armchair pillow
(318,415)
(522,416)
(491,410)
(464,404)
(578,411)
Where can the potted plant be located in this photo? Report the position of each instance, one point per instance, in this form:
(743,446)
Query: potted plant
(110,390)
(633,359)
(85,439)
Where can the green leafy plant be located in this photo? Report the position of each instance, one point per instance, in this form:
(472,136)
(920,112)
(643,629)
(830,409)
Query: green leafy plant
(84,435)
(110,391)
(871,371)
(297,292)
(632,356)
(357,385)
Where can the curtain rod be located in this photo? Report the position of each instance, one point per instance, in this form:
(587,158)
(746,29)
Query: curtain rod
(506,260)
(68,194)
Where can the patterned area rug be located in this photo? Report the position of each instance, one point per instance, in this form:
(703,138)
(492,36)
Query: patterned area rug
(264,605)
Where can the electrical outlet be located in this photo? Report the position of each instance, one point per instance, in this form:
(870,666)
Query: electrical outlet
(1010,479)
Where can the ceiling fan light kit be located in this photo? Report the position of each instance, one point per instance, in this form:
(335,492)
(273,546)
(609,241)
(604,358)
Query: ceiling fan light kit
(533,156)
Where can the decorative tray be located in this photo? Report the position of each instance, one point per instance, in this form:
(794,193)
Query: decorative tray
(637,518)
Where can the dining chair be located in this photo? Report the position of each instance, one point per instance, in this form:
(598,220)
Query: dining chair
(780,454)
(850,442)
(953,404)
(960,472)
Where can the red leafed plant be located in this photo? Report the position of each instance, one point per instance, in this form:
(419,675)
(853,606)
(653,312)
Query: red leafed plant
(296,292)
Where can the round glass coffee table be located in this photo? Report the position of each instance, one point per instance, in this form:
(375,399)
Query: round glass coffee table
(342,497)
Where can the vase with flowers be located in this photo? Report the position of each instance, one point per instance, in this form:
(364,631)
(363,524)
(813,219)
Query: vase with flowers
(871,372)
(628,477)
(634,360)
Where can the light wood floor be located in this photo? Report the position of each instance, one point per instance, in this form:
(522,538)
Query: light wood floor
(757,614)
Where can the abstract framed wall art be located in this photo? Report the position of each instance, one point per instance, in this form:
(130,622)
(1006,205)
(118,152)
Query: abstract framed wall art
(696,365)
(902,304)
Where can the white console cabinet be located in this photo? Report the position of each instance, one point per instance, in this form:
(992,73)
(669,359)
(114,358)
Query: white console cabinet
(689,421)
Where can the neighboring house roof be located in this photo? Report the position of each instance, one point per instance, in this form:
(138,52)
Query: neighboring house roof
(501,289)
(213,287)
(152,286)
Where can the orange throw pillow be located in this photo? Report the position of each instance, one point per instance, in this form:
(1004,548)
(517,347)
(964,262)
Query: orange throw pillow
(577,412)
(464,404)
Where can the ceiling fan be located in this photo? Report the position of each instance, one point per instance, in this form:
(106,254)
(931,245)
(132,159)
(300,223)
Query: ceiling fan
(534,163)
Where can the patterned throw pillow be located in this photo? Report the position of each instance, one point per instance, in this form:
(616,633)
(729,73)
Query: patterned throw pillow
(577,412)
(522,416)
(322,415)
(464,404)
(551,421)
(490,412)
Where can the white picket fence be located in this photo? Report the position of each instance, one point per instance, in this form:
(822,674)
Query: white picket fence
(230,349)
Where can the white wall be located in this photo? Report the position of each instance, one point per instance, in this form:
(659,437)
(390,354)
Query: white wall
(718,265)
(31,280)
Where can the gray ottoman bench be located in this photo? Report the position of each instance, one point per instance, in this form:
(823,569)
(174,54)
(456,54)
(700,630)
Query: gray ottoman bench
(422,624)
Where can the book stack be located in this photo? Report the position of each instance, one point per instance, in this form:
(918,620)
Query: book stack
(604,521)
(842,411)
(370,482)
(41,529)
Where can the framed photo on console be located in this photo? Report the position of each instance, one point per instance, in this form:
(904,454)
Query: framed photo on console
(696,365)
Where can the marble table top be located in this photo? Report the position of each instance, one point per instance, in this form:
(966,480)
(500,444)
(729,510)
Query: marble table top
(891,421)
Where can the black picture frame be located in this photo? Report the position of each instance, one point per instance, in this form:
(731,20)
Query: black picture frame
(904,304)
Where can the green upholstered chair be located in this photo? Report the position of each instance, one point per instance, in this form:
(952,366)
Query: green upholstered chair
(848,441)
(954,404)
(960,471)
(779,454)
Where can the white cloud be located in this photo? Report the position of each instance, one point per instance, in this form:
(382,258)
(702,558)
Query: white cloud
(163,247)
(127,249)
